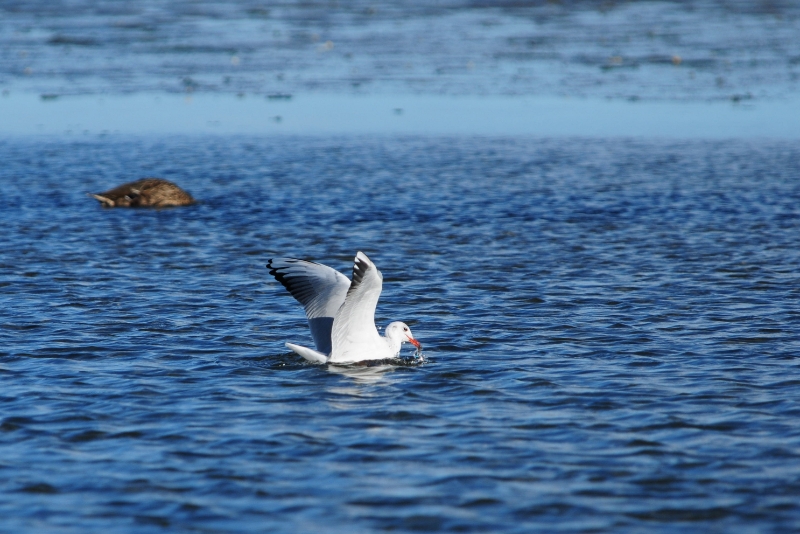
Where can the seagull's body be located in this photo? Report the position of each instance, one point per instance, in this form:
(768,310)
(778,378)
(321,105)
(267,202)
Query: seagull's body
(341,314)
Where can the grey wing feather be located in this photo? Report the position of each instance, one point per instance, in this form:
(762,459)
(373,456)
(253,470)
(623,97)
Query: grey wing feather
(320,289)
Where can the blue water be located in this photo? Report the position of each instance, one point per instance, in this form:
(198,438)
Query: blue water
(163,115)
(686,50)
(611,323)
(611,331)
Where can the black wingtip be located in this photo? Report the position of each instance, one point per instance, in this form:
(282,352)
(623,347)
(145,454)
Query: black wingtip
(359,270)
(272,270)
(279,276)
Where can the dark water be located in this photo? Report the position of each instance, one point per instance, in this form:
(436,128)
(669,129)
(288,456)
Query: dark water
(611,330)
(686,50)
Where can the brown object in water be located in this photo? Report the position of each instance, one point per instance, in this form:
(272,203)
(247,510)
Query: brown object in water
(145,193)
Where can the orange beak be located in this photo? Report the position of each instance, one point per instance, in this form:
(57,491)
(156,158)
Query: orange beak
(414,342)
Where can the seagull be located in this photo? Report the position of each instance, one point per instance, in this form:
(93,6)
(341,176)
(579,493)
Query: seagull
(341,314)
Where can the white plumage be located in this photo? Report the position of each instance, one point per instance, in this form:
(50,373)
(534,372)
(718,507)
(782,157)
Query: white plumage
(341,314)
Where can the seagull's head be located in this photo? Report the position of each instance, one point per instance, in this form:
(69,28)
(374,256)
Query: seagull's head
(401,331)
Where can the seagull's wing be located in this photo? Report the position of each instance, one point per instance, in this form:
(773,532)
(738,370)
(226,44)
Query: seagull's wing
(320,289)
(354,325)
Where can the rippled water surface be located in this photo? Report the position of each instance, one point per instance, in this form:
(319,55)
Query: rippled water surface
(611,331)
(686,50)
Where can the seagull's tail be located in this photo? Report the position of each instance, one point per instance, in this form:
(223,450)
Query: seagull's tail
(309,354)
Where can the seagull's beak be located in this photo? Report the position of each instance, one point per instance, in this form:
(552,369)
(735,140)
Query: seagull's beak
(414,342)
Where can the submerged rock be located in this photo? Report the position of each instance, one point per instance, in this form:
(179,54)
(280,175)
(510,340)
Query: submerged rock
(145,193)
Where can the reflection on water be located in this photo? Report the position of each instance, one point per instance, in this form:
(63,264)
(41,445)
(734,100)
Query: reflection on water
(362,374)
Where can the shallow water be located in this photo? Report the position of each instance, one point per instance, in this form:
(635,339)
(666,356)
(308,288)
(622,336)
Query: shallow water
(90,116)
(688,50)
(611,331)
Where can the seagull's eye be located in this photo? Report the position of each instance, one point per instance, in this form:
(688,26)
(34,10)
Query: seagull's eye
(405,329)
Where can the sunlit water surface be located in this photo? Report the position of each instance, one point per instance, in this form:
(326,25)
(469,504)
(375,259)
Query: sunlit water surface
(611,332)
(687,50)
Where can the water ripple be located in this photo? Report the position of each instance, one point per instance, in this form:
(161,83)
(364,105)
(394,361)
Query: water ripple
(610,333)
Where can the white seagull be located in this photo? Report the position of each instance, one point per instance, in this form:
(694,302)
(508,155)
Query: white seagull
(341,315)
